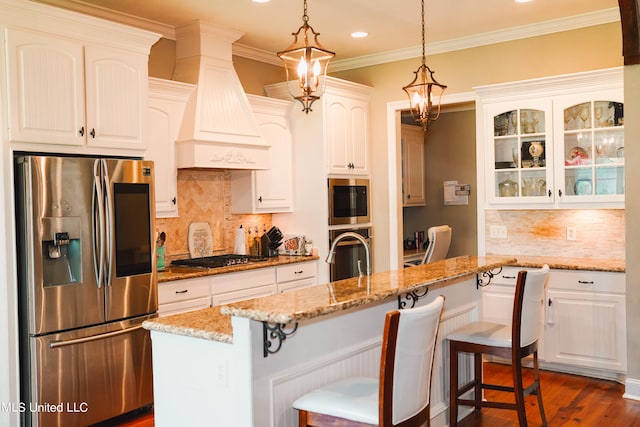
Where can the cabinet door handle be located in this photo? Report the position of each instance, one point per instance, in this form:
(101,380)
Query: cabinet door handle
(549,313)
(586,282)
(550,193)
(508,277)
(92,133)
(174,201)
(81,131)
(183,291)
(260,199)
(559,193)
(298,272)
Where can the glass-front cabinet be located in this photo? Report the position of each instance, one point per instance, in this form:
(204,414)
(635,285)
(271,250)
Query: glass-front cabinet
(522,164)
(591,146)
(556,143)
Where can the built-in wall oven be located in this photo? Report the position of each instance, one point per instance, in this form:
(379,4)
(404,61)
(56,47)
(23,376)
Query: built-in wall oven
(349,201)
(349,252)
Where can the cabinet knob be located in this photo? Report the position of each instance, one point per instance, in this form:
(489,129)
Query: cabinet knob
(550,193)
(174,201)
(81,131)
(260,199)
(92,133)
(559,193)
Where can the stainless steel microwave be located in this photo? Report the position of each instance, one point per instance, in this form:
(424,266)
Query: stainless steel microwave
(349,201)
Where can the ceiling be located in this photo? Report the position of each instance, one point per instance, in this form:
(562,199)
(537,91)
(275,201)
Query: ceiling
(394,32)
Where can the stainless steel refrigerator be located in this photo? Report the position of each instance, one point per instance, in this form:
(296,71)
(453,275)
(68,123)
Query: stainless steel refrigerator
(87,281)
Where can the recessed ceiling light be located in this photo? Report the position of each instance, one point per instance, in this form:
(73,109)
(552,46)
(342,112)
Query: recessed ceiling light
(261,1)
(359,34)
(523,1)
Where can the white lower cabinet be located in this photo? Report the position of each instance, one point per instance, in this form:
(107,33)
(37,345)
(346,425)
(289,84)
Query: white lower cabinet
(583,324)
(585,320)
(232,287)
(180,296)
(296,276)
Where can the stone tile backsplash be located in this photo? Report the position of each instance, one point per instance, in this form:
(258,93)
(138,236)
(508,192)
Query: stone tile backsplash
(205,196)
(599,233)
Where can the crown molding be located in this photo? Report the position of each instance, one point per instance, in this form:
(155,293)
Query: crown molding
(584,20)
(256,54)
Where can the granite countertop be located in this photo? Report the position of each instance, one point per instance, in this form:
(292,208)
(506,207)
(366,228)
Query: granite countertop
(177,273)
(214,323)
(324,299)
(566,263)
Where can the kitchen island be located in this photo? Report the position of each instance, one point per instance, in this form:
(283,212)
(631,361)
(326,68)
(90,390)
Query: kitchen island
(243,364)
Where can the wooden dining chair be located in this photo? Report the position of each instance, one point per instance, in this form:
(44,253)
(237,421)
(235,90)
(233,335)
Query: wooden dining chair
(513,342)
(401,394)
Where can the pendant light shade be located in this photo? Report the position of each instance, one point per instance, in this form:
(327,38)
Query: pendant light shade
(424,91)
(306,62)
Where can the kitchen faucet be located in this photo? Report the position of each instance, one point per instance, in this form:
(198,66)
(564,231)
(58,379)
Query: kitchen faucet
(358,237)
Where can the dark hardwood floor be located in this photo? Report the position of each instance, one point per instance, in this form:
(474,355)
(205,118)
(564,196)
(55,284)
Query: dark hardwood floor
(569,400)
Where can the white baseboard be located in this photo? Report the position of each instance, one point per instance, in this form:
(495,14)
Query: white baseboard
(631,389)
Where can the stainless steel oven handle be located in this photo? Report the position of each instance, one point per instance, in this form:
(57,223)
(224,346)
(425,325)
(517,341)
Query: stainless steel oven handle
(56,344)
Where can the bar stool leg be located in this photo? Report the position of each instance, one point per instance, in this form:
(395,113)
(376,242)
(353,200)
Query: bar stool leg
(536,378)
(453,385)
(516,368)
(477,372)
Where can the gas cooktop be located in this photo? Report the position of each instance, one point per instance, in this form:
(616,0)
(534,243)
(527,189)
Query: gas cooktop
(214,261)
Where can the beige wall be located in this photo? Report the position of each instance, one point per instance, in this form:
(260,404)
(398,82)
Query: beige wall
(561,53)
(632,203)
(452,137)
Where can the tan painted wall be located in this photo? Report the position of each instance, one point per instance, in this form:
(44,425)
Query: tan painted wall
(632,204)
(561,53)
(453,138)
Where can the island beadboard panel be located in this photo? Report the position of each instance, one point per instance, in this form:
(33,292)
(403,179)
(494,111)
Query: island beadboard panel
(204,195)
(599,233)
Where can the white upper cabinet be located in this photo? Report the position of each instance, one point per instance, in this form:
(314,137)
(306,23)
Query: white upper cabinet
(167,102)
(413,191)
(46,89)
(553,143)
(591,146)
(519,158)
(347,128)
(77,83)
(271,190)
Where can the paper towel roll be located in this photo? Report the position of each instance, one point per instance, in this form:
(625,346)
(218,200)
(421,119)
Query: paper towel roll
(239,247)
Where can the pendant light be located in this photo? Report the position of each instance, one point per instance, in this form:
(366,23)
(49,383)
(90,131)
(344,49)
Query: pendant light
(305,61)
(423,89)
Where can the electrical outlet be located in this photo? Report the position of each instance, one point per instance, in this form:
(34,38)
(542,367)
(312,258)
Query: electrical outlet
(571,233)
(498,231)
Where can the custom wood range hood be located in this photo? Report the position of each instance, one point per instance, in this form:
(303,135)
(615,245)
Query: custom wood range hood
(218,129)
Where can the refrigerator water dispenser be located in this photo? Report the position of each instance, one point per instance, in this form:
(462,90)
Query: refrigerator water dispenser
(61,252)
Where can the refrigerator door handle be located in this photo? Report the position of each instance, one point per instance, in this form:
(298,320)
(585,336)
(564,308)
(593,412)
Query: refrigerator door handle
(108,223)
(56,344)
(97,215)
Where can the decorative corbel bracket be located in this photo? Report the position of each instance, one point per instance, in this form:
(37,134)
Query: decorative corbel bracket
(274,333)
(412,296)
(486,277)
